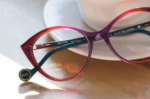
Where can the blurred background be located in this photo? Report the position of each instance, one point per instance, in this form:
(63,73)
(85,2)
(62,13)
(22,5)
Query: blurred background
(21,19)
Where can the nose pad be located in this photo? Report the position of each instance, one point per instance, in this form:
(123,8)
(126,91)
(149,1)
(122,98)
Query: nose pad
(98,37)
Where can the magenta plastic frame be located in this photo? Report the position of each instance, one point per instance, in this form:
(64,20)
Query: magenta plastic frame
(27,47)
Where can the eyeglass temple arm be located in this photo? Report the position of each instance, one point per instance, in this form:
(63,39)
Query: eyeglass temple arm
(132,29)
(35,69)
(82,40)
(59,43)
(128,30)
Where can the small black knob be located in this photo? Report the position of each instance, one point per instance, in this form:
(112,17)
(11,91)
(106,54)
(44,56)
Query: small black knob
(25,74)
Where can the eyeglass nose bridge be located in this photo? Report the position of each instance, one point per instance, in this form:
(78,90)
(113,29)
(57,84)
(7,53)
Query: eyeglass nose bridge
(99,35)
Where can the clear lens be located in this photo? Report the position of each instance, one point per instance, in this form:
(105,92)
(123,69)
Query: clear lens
(62,63)
(135,44)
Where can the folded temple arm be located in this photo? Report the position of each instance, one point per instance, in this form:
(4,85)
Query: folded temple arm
(128,30)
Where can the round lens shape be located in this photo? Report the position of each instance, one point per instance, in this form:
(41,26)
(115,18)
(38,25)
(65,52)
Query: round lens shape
(56,60)
(130,36)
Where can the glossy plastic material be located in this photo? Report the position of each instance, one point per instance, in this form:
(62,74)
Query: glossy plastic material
(89,38)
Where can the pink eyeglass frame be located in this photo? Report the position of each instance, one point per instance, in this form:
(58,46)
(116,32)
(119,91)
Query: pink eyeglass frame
(28,46)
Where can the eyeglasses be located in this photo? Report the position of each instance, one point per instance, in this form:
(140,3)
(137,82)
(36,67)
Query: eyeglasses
(130,31)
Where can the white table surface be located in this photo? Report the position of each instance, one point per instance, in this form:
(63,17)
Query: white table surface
(19,20)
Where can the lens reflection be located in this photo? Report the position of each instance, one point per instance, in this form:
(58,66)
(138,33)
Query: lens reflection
(133,43)
(63,63)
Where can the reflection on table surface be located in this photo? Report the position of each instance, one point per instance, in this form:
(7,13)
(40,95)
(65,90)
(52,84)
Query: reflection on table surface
(46,93)
(114,80)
